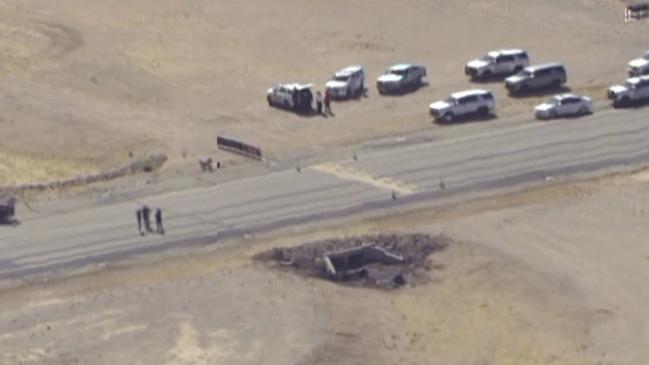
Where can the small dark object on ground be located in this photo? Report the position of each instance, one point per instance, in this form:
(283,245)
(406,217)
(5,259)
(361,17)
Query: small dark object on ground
(383,261)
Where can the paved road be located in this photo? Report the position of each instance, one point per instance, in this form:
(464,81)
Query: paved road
(521,153)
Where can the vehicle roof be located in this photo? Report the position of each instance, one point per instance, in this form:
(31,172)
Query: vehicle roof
(635,80)
(544,65)
(349,70)
(401,66)
(461,94)
(567,95)
(509,51)
(297,86)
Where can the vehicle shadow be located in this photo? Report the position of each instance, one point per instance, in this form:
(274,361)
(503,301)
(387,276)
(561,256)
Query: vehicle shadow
(11,222)
(564,117)
(305,113)
(408,91)
(546,91)
(358,97)
(490,79)
(632,105)
(472,118)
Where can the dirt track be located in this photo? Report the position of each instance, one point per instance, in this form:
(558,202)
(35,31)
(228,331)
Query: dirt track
(87,82)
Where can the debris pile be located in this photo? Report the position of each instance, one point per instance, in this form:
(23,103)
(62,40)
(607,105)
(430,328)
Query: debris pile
(385,261)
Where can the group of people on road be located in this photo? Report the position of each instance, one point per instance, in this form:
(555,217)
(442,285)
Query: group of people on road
(143,216)
(327,102)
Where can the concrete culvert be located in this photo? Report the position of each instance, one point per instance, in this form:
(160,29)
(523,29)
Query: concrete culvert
(384,261)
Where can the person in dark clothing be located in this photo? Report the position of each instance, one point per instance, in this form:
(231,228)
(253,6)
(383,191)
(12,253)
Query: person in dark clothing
(327,102)
(138,214)
(146,217)
(158,221)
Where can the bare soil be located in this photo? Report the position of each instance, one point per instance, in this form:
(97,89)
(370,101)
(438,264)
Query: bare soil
(551,276)
(86,84)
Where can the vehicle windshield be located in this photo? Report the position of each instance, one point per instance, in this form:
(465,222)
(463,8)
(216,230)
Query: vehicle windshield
(629,85)
(553,101)
(487,58)
(343,78)
(524,73)
(450,100)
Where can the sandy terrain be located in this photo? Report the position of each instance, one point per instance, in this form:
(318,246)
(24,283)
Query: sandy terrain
(552,276)
(87,82)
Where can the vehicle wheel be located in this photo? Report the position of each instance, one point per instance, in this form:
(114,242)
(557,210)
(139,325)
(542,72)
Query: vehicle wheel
(584,111)
(448,117)
(285,104)
(270,102)
(361,90)
(483,111)
(556,83)
(524,89)
(552,114)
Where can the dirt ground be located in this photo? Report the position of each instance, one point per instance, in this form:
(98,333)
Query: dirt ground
(551,276)
(86,83)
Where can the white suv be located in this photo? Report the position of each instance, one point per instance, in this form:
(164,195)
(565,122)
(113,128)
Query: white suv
(480,102)
(347,83)
(501,62)
(639,66)
(400,78)
(295,96)
(634,90)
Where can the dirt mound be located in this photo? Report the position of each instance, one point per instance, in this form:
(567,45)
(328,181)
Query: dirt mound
(385,261)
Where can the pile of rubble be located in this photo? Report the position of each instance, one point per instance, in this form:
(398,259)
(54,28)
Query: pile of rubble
(384,261)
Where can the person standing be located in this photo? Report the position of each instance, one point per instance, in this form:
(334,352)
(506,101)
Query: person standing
(138,214)
(327,102)
(318,102)
(158,221)
(146,217)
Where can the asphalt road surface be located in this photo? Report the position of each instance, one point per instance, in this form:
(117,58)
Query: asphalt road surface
(529,152)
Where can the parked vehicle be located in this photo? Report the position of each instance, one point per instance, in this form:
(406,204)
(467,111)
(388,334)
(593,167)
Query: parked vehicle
(537,77)
(497,63)
(294,96)
(636,10)
(400,78)
(639,66)
(463,103)
(564,105)
(7,208)
(634,90)
(347,83)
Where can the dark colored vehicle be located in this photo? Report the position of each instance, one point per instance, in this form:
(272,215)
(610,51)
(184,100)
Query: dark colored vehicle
(537,77)
(7,208)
